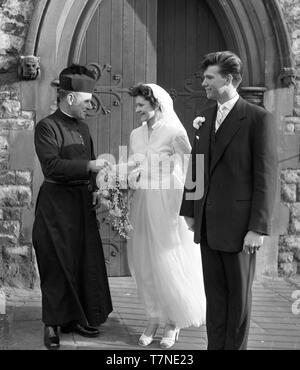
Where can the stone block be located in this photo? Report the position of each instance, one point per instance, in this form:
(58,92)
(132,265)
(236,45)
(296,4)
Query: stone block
(11,214)
(295,210)
(289,193)
(7,178)
(7,63)
(296,251)
(287,269)
(24,251)
(292,120)
(290,176)
(295,226)
(284,257)
(22,155)
(27,217)
(14,29)
(19,10)
(4,147)
(7,240)
(23,178)
(4,163)
(290,241)
(4,95)
(12,89)
(11,228)
(17,267)
(19,124)
(28,115)
(15,196)
(10,108)
(4,124)
(284,219)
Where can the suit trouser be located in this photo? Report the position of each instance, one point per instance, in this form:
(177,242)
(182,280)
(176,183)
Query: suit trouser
(228,279)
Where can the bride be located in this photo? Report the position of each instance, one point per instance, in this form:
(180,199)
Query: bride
(162,257)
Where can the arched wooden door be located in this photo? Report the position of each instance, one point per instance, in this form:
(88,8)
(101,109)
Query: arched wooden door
(186,31)
(130,41)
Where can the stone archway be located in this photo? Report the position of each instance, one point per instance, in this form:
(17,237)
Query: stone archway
(253,29)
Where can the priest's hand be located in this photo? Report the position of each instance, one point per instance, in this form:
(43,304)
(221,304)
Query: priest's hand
(98,165)
(96,201)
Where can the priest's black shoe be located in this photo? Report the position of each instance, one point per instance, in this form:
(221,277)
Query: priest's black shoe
(51,338)
(85,331)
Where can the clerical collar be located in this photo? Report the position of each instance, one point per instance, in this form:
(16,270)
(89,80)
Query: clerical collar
(66,115)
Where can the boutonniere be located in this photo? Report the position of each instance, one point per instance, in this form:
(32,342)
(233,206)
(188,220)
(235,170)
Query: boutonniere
(198,122)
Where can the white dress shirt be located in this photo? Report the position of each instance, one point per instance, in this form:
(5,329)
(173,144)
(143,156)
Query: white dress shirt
(224,109)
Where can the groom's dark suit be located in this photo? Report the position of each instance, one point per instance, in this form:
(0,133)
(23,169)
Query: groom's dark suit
(240,176)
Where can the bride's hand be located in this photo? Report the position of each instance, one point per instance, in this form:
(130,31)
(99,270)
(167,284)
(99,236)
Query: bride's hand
(134,178)
(132,165)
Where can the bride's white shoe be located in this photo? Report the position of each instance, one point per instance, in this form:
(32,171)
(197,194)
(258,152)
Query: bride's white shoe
(146,340)
(168,342)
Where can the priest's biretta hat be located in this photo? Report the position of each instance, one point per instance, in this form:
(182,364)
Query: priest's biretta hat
(77,78)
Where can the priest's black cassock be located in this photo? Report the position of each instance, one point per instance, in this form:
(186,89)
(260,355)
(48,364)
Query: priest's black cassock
(66,238)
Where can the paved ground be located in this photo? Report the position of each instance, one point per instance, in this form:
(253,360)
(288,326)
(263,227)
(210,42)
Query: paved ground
(275,323)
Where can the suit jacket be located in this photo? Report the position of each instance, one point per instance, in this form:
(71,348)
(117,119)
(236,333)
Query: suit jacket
(240,177)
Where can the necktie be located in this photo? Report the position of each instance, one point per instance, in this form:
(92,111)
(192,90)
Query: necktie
(220,116)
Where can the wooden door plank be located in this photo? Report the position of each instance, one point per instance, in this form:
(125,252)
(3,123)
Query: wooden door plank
(117,62)
(128,71)
(104,57)
(151,41)
(91,55)
(140,40)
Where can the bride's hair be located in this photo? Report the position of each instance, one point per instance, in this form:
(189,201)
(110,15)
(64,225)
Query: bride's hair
(145,92)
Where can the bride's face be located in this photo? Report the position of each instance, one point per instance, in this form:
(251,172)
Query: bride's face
(144,109)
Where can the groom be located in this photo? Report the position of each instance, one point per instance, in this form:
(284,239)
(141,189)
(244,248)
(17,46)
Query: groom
(238,141)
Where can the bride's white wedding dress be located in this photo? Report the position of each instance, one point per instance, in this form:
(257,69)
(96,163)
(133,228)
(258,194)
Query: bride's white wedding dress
(163,258)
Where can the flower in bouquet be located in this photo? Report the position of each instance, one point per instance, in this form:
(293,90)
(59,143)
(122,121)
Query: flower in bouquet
(114,195)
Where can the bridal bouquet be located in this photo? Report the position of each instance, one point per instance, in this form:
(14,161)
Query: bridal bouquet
(116,196)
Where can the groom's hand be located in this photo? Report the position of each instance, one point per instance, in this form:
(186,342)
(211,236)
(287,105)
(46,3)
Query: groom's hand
(252,242)
(190,222)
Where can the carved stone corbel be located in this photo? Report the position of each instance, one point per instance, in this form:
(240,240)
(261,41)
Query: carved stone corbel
(287,77)
(29,67)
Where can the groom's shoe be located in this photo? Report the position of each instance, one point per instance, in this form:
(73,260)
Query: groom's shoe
(51,338)
(85,331)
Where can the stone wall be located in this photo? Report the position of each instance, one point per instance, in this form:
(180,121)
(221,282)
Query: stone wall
(289,243)
(16,257)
